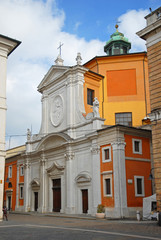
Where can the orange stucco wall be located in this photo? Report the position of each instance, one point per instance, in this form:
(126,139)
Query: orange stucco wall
(13,180)
(131,93)
(94,83)
(107,166)
(121,82)
(21,180)
(137,168)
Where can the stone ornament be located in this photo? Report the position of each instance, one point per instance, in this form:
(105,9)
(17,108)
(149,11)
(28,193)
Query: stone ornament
(96,107)
(57,111)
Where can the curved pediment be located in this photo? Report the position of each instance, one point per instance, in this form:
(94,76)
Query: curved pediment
(83,177)
(52,141)
(55,169)
(35,182)
(54,166)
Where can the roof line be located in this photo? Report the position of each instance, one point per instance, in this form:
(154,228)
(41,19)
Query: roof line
(11,39)
(117,55)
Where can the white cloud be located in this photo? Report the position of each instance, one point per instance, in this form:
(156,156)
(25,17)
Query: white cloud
(132,22)
(38,25)
(77,24)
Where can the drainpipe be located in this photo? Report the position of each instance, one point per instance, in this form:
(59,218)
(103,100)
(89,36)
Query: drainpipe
(102,89)
(145,84)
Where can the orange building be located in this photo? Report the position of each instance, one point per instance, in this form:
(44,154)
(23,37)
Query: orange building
(124,91)
(14,178)
(125,163)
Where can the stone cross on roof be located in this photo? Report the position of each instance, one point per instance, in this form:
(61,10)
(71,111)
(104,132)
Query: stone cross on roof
(61,44)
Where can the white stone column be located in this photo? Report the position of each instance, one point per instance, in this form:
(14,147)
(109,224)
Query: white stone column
(43,186)
(70,207)
(7,45)
(17,188)
(45,112)
(3,63)
(62,194)
(96,179)
(119,172)
(27,187)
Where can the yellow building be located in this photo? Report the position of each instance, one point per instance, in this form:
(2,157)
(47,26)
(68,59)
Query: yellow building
(124,92)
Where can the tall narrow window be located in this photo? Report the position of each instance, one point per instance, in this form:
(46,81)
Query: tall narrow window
(123,119)
(90,96)
(21,171)
(139,186)
(107,185)
(10,171)
(106,154)
(21,192)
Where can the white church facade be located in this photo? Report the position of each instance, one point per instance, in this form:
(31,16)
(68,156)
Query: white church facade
(76,162)
(62,162)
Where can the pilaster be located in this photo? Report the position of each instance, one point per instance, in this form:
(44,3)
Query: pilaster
(27,187)
(120,194)
(96,181)
(42,184)
(17,188)
(70,206)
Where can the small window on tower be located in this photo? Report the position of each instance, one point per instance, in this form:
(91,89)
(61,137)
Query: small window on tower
(90,96)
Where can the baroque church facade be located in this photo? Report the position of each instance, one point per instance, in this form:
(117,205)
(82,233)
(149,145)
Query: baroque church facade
(76,161)
(62,165)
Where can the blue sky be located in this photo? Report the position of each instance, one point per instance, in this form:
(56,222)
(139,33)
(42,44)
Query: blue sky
(96,19)
(82,26)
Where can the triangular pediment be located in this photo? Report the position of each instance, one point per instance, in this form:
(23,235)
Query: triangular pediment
(53,73)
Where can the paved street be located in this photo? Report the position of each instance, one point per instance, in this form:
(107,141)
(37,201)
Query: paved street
(39,227)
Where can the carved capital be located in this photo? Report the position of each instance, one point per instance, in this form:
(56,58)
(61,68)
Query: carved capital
(42,161)
(119,144)
(69,156)
(95,149)
(27,165)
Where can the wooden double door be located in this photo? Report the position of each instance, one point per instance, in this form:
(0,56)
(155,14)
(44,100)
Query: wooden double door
(56,195)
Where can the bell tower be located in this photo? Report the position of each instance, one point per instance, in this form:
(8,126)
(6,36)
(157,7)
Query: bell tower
(118,44)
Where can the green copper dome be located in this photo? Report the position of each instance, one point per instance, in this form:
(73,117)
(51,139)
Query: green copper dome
(118,44)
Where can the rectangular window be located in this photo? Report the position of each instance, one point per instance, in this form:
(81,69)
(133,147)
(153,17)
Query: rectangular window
(137,146)
(107,185)
(123,119)
(106,154)
(139,186)
(21,192)
(21,171)
(90,96)
(10,172)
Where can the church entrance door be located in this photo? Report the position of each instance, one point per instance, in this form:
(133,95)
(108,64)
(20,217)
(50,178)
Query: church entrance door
(36,201)
(85,200)
(56,195)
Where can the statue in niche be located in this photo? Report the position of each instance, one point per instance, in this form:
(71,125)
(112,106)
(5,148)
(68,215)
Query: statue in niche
(96,107)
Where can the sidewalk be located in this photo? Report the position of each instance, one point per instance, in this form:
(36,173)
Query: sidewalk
(84,216)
